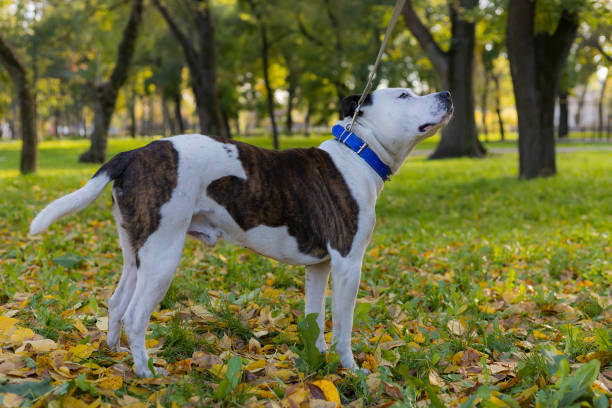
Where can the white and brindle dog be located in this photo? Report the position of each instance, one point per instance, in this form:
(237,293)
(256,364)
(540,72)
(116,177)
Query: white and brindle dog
(313,207)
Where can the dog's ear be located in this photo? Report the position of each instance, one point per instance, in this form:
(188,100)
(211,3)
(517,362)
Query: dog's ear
(349,104)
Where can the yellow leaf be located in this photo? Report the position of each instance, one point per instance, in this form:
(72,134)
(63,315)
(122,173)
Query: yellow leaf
(150,343)
(114,382)
(37,346)
(254,345)
(329,390)
(10,400)
(526,394)
(21,335)
(71,402)
(419,338)
(225,343)
(538,335)
(604,357)
(285,374)
(82,351)
(80,327)
(435,379)
(381,339)
(256,365)
(95,404)
(456,327)
(7,323)
(374,253)
(296,398)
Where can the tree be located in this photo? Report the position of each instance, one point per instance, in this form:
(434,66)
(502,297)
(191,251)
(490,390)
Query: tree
(536,60)
(265,56)
(454,67)
(27,106)
(200,57)
(105,97)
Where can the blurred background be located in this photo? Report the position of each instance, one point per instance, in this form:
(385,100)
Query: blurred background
(241,68)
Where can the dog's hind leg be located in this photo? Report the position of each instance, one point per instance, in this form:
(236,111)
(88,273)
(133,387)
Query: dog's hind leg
(316,283)
(120,300)
(159,258)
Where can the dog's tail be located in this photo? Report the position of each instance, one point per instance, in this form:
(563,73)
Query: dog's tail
(84,196)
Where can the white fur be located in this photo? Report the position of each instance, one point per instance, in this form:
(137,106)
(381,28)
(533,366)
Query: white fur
(70,203)
(390,126)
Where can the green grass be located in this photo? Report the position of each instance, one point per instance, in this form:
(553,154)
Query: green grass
(456,239)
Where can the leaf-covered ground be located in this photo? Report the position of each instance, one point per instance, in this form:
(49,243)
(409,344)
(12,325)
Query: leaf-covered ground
(477,290)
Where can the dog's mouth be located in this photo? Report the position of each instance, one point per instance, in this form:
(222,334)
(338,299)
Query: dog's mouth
(426,127)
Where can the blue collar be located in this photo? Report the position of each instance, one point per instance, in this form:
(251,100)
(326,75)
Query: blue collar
(361,148)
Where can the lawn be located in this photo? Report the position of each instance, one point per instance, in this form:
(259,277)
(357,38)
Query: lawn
(477,290)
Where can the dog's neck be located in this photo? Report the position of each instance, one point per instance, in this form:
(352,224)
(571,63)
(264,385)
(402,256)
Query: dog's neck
(392,159)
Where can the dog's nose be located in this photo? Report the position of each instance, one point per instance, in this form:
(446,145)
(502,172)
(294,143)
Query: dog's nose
(445,100)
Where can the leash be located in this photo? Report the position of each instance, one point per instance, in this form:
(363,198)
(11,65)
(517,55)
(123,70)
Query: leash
(399,4)
(348,138)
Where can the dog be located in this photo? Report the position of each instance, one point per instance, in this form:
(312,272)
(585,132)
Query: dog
(312,207)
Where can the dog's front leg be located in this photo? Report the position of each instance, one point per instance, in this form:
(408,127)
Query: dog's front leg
(316,283)
(346,274)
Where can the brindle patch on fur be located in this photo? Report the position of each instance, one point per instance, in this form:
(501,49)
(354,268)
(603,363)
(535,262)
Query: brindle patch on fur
(298,188)
(144,181)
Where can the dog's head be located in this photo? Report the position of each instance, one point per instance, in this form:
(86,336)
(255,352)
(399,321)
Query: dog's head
(396,119)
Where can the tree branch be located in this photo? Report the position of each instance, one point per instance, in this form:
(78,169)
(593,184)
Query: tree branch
(593,43)
(126,47)
(438,58)
(308,35)
(190,52)
(10,60)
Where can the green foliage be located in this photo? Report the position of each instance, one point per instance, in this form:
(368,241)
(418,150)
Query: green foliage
(311,359)
(455,240)
(232,378)
(571,388)
(29,390)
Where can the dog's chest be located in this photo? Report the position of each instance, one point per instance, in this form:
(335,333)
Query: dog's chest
(292,205)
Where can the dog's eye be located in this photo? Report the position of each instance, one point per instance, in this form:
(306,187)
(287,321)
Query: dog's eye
(404,95)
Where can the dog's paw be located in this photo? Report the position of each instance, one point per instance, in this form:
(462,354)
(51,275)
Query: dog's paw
(146,372)
(356,370)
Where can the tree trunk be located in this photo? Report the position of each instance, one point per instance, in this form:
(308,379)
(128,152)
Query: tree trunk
(290,97)
(563,115)
(498,107)
(307,119)
(201,64)
(483,106)
(265,51)
(237,126)
(106,93)
(460,136)
(169,123)
(132,109)
(581,98)
(269,90)
(226,125)
(536,62)
(178,117)
(600,115)
(27,107)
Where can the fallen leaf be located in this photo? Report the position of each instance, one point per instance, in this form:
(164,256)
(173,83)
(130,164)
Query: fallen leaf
(329,391)
(10,400)
(37,346)
(456,327)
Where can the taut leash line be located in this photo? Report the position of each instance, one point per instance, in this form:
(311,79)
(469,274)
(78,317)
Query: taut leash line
(399,4)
